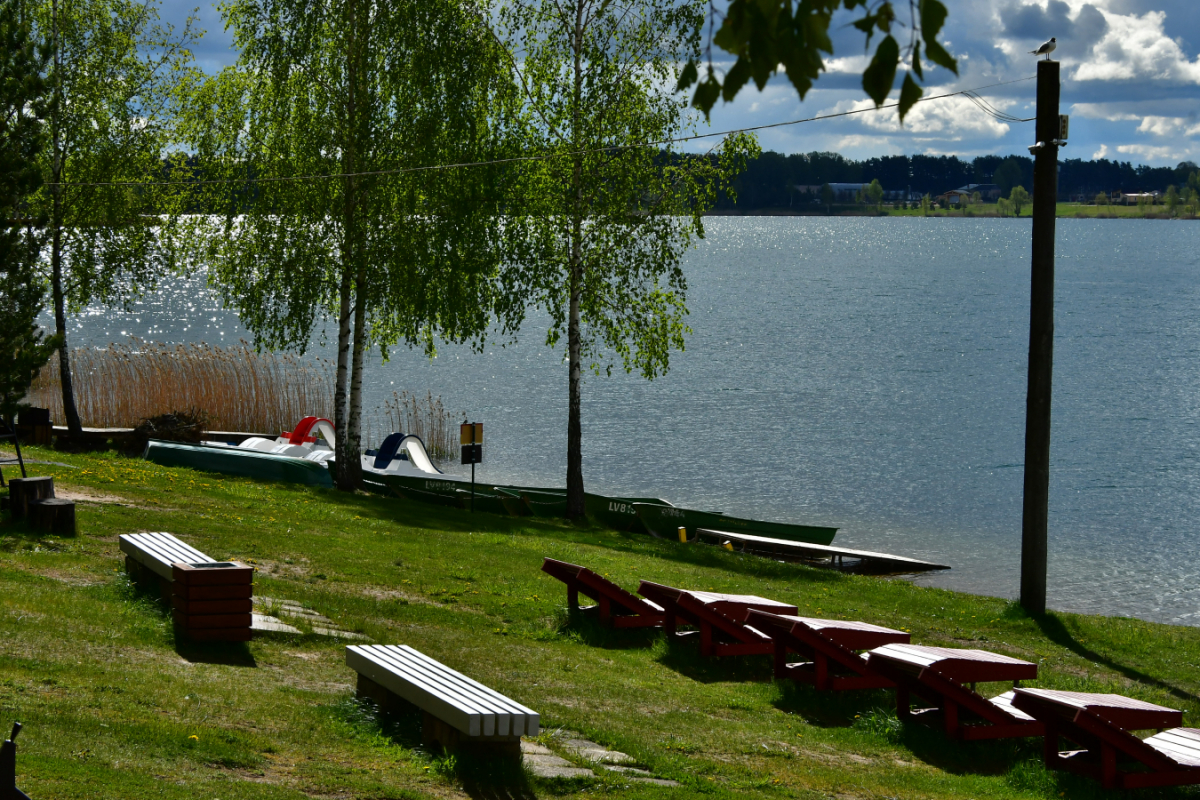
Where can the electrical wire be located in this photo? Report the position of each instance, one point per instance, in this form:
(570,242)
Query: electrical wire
(970,94)
(989,109)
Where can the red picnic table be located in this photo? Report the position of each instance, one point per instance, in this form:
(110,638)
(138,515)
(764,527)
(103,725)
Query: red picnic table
(720,618)
(947,676)
(832,646)
(615,606)
(1102,724)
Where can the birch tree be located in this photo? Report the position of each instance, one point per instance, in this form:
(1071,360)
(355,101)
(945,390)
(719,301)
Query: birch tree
(24,105)
(611,210)
(328,128)
(114,70)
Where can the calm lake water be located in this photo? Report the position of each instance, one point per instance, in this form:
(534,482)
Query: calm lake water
(869,373)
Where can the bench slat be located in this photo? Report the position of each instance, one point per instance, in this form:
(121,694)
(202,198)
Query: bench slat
(497,713)
(158,551)
(449,695)
(481,718)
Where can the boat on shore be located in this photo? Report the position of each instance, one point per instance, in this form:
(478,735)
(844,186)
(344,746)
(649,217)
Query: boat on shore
(665,522)
(303,455)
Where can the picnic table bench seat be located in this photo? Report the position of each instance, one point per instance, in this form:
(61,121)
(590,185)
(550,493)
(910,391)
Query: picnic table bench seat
(1102,725)
(457,712)
(719,619)
(832,649)
(615,607)
(946,676)
(211,600)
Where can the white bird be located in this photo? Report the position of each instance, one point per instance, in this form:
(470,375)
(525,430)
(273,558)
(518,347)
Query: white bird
(1046,49)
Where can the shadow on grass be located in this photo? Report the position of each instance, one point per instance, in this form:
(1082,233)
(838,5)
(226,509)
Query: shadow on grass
(828,709)
(489,778)
(481,775)
(229,654)
(584,627)
(932,746)
(427,516)
(1052,626)
(683,656)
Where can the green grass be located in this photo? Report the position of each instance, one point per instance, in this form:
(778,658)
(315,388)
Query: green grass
(111,702)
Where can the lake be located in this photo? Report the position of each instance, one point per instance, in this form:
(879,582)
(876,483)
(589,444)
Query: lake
(870,373)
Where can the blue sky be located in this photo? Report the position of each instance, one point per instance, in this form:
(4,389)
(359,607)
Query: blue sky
(1131,83)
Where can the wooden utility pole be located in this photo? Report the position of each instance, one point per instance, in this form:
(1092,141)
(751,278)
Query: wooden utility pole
(1041,344)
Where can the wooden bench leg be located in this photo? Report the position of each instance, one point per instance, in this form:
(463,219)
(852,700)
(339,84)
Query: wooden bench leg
(903,703)
(386,700)
(436,735)
(950,717)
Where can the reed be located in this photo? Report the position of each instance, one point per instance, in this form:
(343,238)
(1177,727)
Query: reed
(425,417)
(238,388)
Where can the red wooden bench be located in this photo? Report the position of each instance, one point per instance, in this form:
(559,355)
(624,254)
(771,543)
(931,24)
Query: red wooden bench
(942,674)
(831,645)
(1101,723)
(615,606)
(720,619)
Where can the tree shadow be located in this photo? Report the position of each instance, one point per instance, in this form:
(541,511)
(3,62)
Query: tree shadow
(1052,627)
(428,516)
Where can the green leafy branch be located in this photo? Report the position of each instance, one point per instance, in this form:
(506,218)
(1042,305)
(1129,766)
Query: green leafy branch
(769,35)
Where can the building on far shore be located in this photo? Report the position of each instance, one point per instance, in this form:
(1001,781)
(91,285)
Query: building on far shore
(990,193)
(1133,198)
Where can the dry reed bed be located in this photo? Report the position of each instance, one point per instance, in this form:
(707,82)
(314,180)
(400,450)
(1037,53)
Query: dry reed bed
(239,389)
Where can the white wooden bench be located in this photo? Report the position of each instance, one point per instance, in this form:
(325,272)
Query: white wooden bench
(211,599)
(457,712)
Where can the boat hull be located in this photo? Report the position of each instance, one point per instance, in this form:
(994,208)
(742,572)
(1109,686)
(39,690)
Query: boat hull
(243,463)
(618,513)
(665,522)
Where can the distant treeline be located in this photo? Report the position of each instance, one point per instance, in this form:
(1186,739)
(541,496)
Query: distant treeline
(769,180)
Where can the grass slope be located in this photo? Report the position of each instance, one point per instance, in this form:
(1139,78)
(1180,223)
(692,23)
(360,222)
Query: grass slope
(114,707)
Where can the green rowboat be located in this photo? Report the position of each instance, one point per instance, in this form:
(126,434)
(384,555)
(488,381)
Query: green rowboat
(618,513)
(665,522)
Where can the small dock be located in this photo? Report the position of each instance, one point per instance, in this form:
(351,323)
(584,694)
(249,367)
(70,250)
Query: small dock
(860,560)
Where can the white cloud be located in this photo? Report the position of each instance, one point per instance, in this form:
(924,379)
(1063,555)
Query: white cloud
(951,118)
(1137,48)
(1170,126)
(1153,153)
(1101,153)
(1102,111)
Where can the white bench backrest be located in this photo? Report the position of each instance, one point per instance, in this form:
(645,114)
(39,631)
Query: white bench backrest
(450,696)
(158,551)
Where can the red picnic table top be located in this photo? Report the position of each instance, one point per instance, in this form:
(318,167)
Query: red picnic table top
(734,606)
(1123,712)
(963,666)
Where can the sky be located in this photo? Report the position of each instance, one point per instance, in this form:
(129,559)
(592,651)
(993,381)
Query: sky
(1130,73)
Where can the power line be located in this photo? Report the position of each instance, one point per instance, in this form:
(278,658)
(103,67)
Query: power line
(970,94)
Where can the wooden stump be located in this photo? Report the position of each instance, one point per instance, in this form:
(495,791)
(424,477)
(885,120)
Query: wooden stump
(53,515)
(22,491)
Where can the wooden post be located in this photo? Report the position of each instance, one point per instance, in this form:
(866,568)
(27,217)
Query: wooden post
(22,491)
(1035,517)
(53,515)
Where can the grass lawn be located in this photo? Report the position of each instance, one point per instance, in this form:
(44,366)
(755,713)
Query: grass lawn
(115,707)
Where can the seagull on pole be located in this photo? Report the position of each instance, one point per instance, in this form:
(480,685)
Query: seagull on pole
(1046,49)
